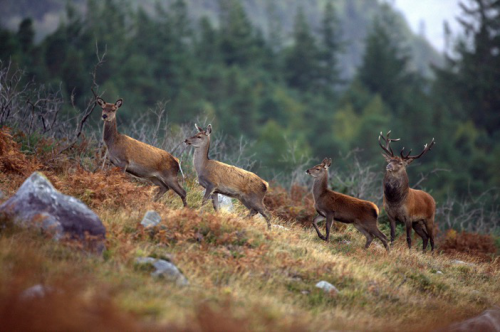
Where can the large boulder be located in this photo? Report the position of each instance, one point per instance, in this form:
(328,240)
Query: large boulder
(38,204)
(487,321)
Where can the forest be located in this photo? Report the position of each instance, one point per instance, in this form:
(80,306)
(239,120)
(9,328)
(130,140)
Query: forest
(280,102)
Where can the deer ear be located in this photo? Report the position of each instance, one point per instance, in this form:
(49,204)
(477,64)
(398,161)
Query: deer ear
(329,162)
(119,103)
(198,128)
(325,163)
(100,101)
(386,157)
(209,129)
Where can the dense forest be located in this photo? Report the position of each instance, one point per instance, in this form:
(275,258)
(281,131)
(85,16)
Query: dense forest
(290,96)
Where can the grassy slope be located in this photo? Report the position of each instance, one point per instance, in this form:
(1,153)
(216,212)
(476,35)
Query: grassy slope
(242,276)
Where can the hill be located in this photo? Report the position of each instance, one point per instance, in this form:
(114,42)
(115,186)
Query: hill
(355,18)
(242,276)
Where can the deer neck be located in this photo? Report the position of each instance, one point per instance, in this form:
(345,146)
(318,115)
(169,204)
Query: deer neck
(396,187)
(200,159)
(110,133)
(320,185)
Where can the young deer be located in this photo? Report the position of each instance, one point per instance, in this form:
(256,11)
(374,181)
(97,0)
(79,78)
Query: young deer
(335,206)
(414,208)
(138,158)
(219,178)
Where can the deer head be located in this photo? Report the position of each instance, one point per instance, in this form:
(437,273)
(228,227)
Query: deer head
(397,163)
(320,169)
(109,110)
(201,138)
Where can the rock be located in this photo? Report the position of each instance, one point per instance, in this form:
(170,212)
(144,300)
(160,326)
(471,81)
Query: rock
(345,242)
(164,269)
(225,203)
(280,227)
(37,291)
(458,262)
(151,219)
(327,287)
(38,204)
(487,321)
(439,272)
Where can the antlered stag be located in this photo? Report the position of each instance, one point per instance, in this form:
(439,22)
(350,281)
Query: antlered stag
(415,208)
(219,178)
(335,206)
(138,158)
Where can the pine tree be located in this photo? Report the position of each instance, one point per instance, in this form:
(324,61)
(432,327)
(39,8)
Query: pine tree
(302,61)
(331,48)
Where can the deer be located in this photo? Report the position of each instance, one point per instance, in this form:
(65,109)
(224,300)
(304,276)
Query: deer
(220,178)
(137,158)
(414,208)
(334,206)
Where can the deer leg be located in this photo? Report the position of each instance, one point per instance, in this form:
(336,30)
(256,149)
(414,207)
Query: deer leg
(315,224)
(329,223)
(417,226)
(177,188)
(209,190)
(392,223)
(429,225)
(381,236)
(162,188)
(262,210)
(215,202)
(408,233)
(369,237)
(251,213)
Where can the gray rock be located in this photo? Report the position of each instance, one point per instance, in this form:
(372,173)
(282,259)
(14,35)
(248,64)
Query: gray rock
(38,204)
(327,287)
(225,203)
(458,262)
(164,269)
(487,321)
(37,291)
(151,219)
(439,272)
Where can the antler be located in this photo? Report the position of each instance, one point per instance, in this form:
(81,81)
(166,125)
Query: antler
(427,147)
(387,141)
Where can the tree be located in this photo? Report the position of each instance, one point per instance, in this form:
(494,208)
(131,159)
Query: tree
(302,60)
(331,47)
(384,68)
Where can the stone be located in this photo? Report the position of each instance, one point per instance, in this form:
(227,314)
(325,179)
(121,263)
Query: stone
(327,287)
(225,203)
(439,272)
(37,291)
(164,269)
(281,227)
(151,219)
(38,204)
(458,262)
(487,321)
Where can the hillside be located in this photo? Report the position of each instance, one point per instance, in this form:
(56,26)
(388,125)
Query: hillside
(355,17)
(242,276)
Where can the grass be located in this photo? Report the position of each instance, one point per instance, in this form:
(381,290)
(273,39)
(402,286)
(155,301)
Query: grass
(242,276)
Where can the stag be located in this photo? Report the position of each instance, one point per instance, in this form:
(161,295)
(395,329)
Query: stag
(414,208)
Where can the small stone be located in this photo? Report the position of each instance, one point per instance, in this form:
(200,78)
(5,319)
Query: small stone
(439,272)
(345,242)
(37,291)
(459,262)
(151,219)
(164,269)
(305,292)
(327,287)
(281,227)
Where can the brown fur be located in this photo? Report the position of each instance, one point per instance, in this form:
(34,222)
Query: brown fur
(138,158)
(415,208)
(219,178)
(335,206)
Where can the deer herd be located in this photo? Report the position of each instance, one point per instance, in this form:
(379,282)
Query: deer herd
(414,208)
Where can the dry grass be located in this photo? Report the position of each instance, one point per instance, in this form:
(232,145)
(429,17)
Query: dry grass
(242,276)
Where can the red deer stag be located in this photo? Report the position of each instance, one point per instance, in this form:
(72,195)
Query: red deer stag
(335,206)
(138,158)
(219,178)
(415,208)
